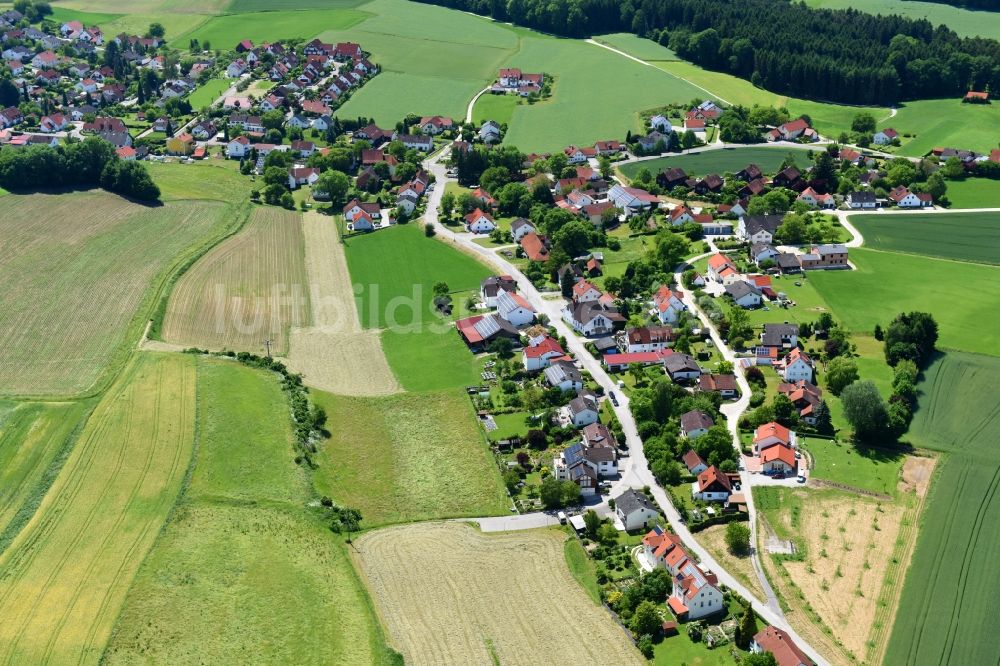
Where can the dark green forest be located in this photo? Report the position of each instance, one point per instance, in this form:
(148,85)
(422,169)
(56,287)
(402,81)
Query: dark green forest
(832,55)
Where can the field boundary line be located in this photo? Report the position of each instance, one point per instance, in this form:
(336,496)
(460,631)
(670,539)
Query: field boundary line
(24,514)
(665,72)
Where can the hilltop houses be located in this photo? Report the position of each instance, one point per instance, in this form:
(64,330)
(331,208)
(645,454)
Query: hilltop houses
(513,80)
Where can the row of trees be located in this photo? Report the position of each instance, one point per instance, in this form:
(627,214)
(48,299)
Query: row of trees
(838,55)
(88,163)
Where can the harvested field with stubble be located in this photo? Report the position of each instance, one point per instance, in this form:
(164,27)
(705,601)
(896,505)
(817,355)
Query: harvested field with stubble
(78,272)
(66,575)
(504,598)
(334,353)
(249,288)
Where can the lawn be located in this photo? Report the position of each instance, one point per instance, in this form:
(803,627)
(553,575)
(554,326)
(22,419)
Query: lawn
(973,237)
(205,94)
(583,568)
(430,359)
(965,22)
(946,123)
(407,457)
(34,440)
(682,650)
(394,272)
(499,108)
(875,470)
(721,161)
(507,598)
(67,573)
(241,557)
(974,193)
(251,287)
(223,32)
(959,295)
(952,585)
(82,272)
(216,180)
(510,425)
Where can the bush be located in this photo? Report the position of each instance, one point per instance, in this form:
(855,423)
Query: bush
(429,230)
(738,538)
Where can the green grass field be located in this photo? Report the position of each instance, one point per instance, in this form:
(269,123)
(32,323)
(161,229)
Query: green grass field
(82,271)
(207,93)
(430,359)
(828,119)
(865,468)
(241,558)
(225,31)
(644,49)
(946,123)
(408,457)
(944,613)
(67,573)
(210,180)
(974,193)
(34,439)
(722,161)
(964,22)
(626,89)
(396,271)
(971,237)
(495,107)
(961,296)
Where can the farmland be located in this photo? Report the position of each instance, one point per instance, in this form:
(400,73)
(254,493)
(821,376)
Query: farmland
(945,122)
(842,584)
(34,438)
(240,559)
(944,616)
(499,108)
(224,31)
(408,457)
(721,161)
(82,271)
(390,268)
(68,571)
(539,615)
(963,21)
(249,288)
(971,237)
(333,352)
(870,469)
(886,283)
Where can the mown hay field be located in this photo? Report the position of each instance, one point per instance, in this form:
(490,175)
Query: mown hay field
(948,601)
(971,237)
(244,572)
(33,438)
(225,31)
(66,574)
(962,296)
(412,456)
(451,594)
(249,288)
(333,352)
(80,271)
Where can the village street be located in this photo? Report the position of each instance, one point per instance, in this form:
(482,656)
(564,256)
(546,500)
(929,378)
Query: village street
(635,473)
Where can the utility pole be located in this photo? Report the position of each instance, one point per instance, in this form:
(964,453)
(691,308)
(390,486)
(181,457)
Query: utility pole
(267,345)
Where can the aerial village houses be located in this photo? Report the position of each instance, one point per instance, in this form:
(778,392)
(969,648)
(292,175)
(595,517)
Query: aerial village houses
(634,510)
(695,593)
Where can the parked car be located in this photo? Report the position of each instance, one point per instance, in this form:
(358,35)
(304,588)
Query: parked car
(614,398)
